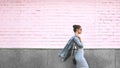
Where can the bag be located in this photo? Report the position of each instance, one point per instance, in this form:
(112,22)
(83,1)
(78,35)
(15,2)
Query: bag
(74,61)
(73,56)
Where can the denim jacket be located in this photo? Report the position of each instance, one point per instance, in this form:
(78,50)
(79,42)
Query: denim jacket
(65,53)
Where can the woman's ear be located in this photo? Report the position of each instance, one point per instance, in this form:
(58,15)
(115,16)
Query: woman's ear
(76,29)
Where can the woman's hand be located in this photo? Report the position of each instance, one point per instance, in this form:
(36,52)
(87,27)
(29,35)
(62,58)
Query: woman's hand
(80,39)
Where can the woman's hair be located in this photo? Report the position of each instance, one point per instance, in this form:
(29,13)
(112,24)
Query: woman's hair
(76,27)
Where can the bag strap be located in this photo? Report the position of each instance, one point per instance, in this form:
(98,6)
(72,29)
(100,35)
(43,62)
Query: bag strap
(73,49)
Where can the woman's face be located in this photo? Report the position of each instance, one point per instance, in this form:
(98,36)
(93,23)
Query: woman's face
(79,30)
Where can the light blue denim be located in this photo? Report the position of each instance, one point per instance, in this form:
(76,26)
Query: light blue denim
(65,53)
(81,61)
(79,55)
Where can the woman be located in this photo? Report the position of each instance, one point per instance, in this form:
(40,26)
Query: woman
(79,55)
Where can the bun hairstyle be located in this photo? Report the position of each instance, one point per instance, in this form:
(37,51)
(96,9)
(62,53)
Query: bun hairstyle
(76,27)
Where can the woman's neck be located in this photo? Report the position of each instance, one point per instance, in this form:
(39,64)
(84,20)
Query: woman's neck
(76,34)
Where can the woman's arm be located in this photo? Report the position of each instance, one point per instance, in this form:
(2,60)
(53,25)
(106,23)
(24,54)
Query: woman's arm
(77,41)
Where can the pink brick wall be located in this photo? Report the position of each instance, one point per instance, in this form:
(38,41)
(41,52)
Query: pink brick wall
(48,23)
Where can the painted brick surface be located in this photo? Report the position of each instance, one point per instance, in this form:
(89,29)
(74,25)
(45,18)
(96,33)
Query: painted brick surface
(48,23)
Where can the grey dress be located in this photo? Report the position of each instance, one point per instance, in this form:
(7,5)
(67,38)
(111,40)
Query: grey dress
(79,55)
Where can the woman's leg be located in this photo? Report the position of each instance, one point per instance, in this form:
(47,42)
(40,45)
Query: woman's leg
(81,61)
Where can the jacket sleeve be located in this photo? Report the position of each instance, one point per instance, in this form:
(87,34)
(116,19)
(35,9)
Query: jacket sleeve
(77,41)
